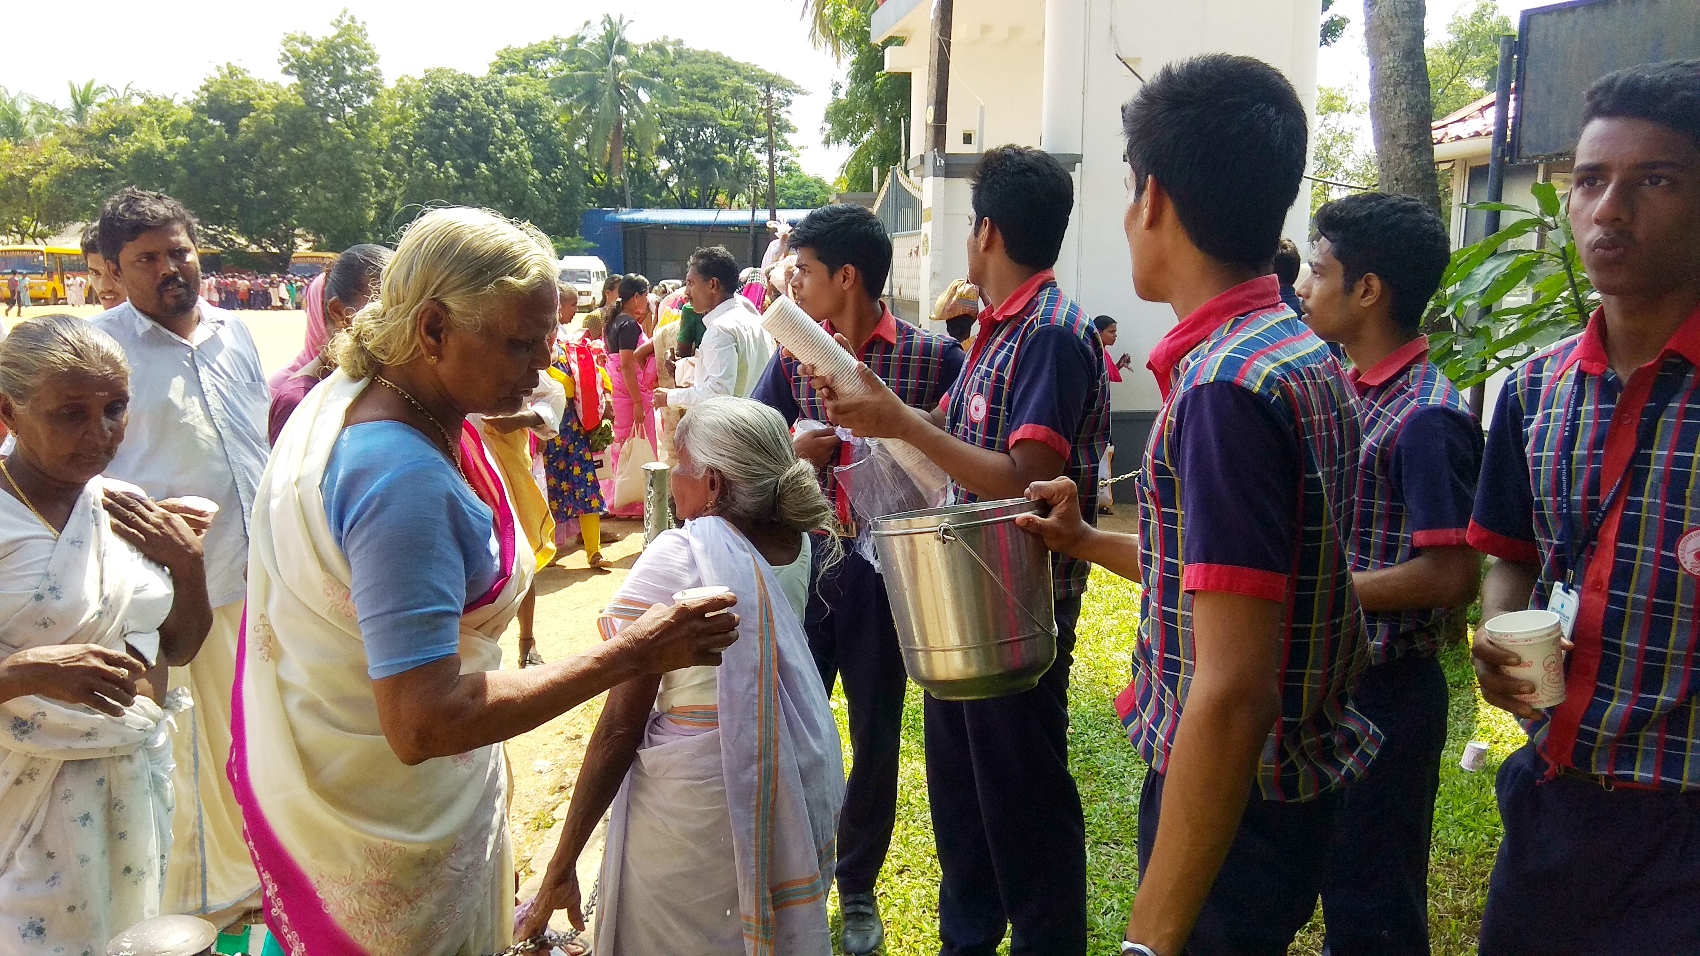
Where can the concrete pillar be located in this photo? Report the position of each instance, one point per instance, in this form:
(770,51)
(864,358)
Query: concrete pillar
(1065,75)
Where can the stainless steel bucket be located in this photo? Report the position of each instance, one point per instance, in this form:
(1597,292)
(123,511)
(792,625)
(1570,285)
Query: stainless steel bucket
(972,596)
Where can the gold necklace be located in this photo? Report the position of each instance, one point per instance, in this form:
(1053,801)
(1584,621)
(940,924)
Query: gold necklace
(26,499)
(447,442)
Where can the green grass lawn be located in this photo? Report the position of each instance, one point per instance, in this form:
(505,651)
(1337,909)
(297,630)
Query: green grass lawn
(1109,773)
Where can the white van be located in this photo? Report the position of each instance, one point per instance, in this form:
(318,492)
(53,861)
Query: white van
(586,274)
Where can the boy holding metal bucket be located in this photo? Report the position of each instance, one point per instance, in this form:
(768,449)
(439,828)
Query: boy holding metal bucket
(1250,632)
(1031,405)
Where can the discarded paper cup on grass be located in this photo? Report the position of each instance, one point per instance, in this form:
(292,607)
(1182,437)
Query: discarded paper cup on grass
(1475,756)
(1535,637)
(690,594)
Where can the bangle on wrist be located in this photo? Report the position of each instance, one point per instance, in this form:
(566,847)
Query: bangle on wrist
(1137,949)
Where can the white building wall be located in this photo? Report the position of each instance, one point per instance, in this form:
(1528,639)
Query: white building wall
(1146,34)
(999,49)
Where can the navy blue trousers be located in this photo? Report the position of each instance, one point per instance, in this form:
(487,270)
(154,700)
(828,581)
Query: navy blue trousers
(1268,886)
(1375,898)
(1006,816)
(854,638)
(1583,871)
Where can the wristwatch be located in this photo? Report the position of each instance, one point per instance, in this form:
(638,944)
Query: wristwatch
(1137,949)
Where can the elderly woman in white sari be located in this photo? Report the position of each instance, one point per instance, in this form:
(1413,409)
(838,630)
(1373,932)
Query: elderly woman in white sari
(386,562)
(726,783)
(100,590)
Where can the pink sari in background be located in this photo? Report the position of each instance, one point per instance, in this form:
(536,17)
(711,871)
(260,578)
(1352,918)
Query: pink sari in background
(626,418)
(317,335)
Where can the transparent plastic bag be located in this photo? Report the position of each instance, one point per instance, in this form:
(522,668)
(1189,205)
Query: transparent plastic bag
(879,485)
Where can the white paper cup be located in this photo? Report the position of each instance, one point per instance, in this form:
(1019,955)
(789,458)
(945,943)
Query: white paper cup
(707,592)
(1475,756)
(1534,636)
(206,506)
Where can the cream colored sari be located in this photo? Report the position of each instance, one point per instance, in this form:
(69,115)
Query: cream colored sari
(358,853)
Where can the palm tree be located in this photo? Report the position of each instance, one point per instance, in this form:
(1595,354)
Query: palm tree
(23,118)
(85,99)
(608,95)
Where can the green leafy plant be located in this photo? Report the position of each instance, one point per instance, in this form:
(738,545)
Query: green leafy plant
(1498,305)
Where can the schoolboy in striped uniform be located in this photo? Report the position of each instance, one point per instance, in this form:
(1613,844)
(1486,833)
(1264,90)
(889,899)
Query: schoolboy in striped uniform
(1588,499)
(1376,261)
(1250,634)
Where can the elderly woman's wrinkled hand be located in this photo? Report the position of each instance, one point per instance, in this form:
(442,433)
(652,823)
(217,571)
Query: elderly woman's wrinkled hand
(198,520)
(96,677)
(162,536)
(559,892)
(687,634)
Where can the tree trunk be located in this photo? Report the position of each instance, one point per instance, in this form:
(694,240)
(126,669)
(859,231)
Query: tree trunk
(1399,110)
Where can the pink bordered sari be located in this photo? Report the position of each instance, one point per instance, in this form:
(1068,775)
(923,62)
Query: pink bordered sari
(359,854)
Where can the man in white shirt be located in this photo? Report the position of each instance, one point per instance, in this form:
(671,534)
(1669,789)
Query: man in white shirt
(735,348)
(198,402)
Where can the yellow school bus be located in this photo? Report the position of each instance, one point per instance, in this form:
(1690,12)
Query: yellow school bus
(46,268)
(309,264)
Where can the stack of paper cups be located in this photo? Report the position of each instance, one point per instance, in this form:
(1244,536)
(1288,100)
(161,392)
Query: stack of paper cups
(803,337)
(791,327)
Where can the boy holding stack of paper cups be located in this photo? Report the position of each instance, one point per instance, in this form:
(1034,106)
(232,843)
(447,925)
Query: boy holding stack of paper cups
(843,257)
(1375,262)
(1031,405)
(1588,500)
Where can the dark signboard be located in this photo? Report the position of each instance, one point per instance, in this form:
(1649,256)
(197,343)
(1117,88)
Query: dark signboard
(1564,48)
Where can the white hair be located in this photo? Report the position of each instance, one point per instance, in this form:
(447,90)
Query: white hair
(40,348)
(748,445)
(458,256)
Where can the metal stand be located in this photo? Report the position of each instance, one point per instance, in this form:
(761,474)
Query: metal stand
(657,500)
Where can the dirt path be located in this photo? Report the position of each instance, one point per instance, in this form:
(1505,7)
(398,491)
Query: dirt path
(545,762)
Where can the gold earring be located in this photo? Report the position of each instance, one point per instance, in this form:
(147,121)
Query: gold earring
(431,358)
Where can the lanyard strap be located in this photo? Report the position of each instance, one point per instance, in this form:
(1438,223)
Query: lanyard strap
(1576,546)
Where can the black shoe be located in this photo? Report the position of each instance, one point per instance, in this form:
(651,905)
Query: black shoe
(863,932)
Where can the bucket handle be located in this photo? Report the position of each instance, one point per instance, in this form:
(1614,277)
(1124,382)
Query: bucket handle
(947,533)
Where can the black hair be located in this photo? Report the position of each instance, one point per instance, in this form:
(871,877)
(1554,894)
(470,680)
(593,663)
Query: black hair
(1226,137)
(131,212)
(632,285)
(959,327)
(353,273)
(611,283)
(1665,93)
(1028,195)
(1102,322)
(91,239)
(716,262)
(1286,262)
(845,234)
(1397,238)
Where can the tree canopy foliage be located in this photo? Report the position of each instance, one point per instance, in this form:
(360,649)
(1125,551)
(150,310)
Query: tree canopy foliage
(1462,67)
(333,155)
(870,108)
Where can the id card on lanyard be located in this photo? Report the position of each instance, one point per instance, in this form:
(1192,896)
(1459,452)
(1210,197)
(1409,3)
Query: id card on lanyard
(1564,599)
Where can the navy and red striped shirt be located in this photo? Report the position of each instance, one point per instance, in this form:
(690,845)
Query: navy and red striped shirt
(1036,373)
(1566,419)
(1247,488)
(1422,453)
(916,364)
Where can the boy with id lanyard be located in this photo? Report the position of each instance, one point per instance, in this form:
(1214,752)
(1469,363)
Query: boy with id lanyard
(1031,404)
(1588,500)
(1375,262)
